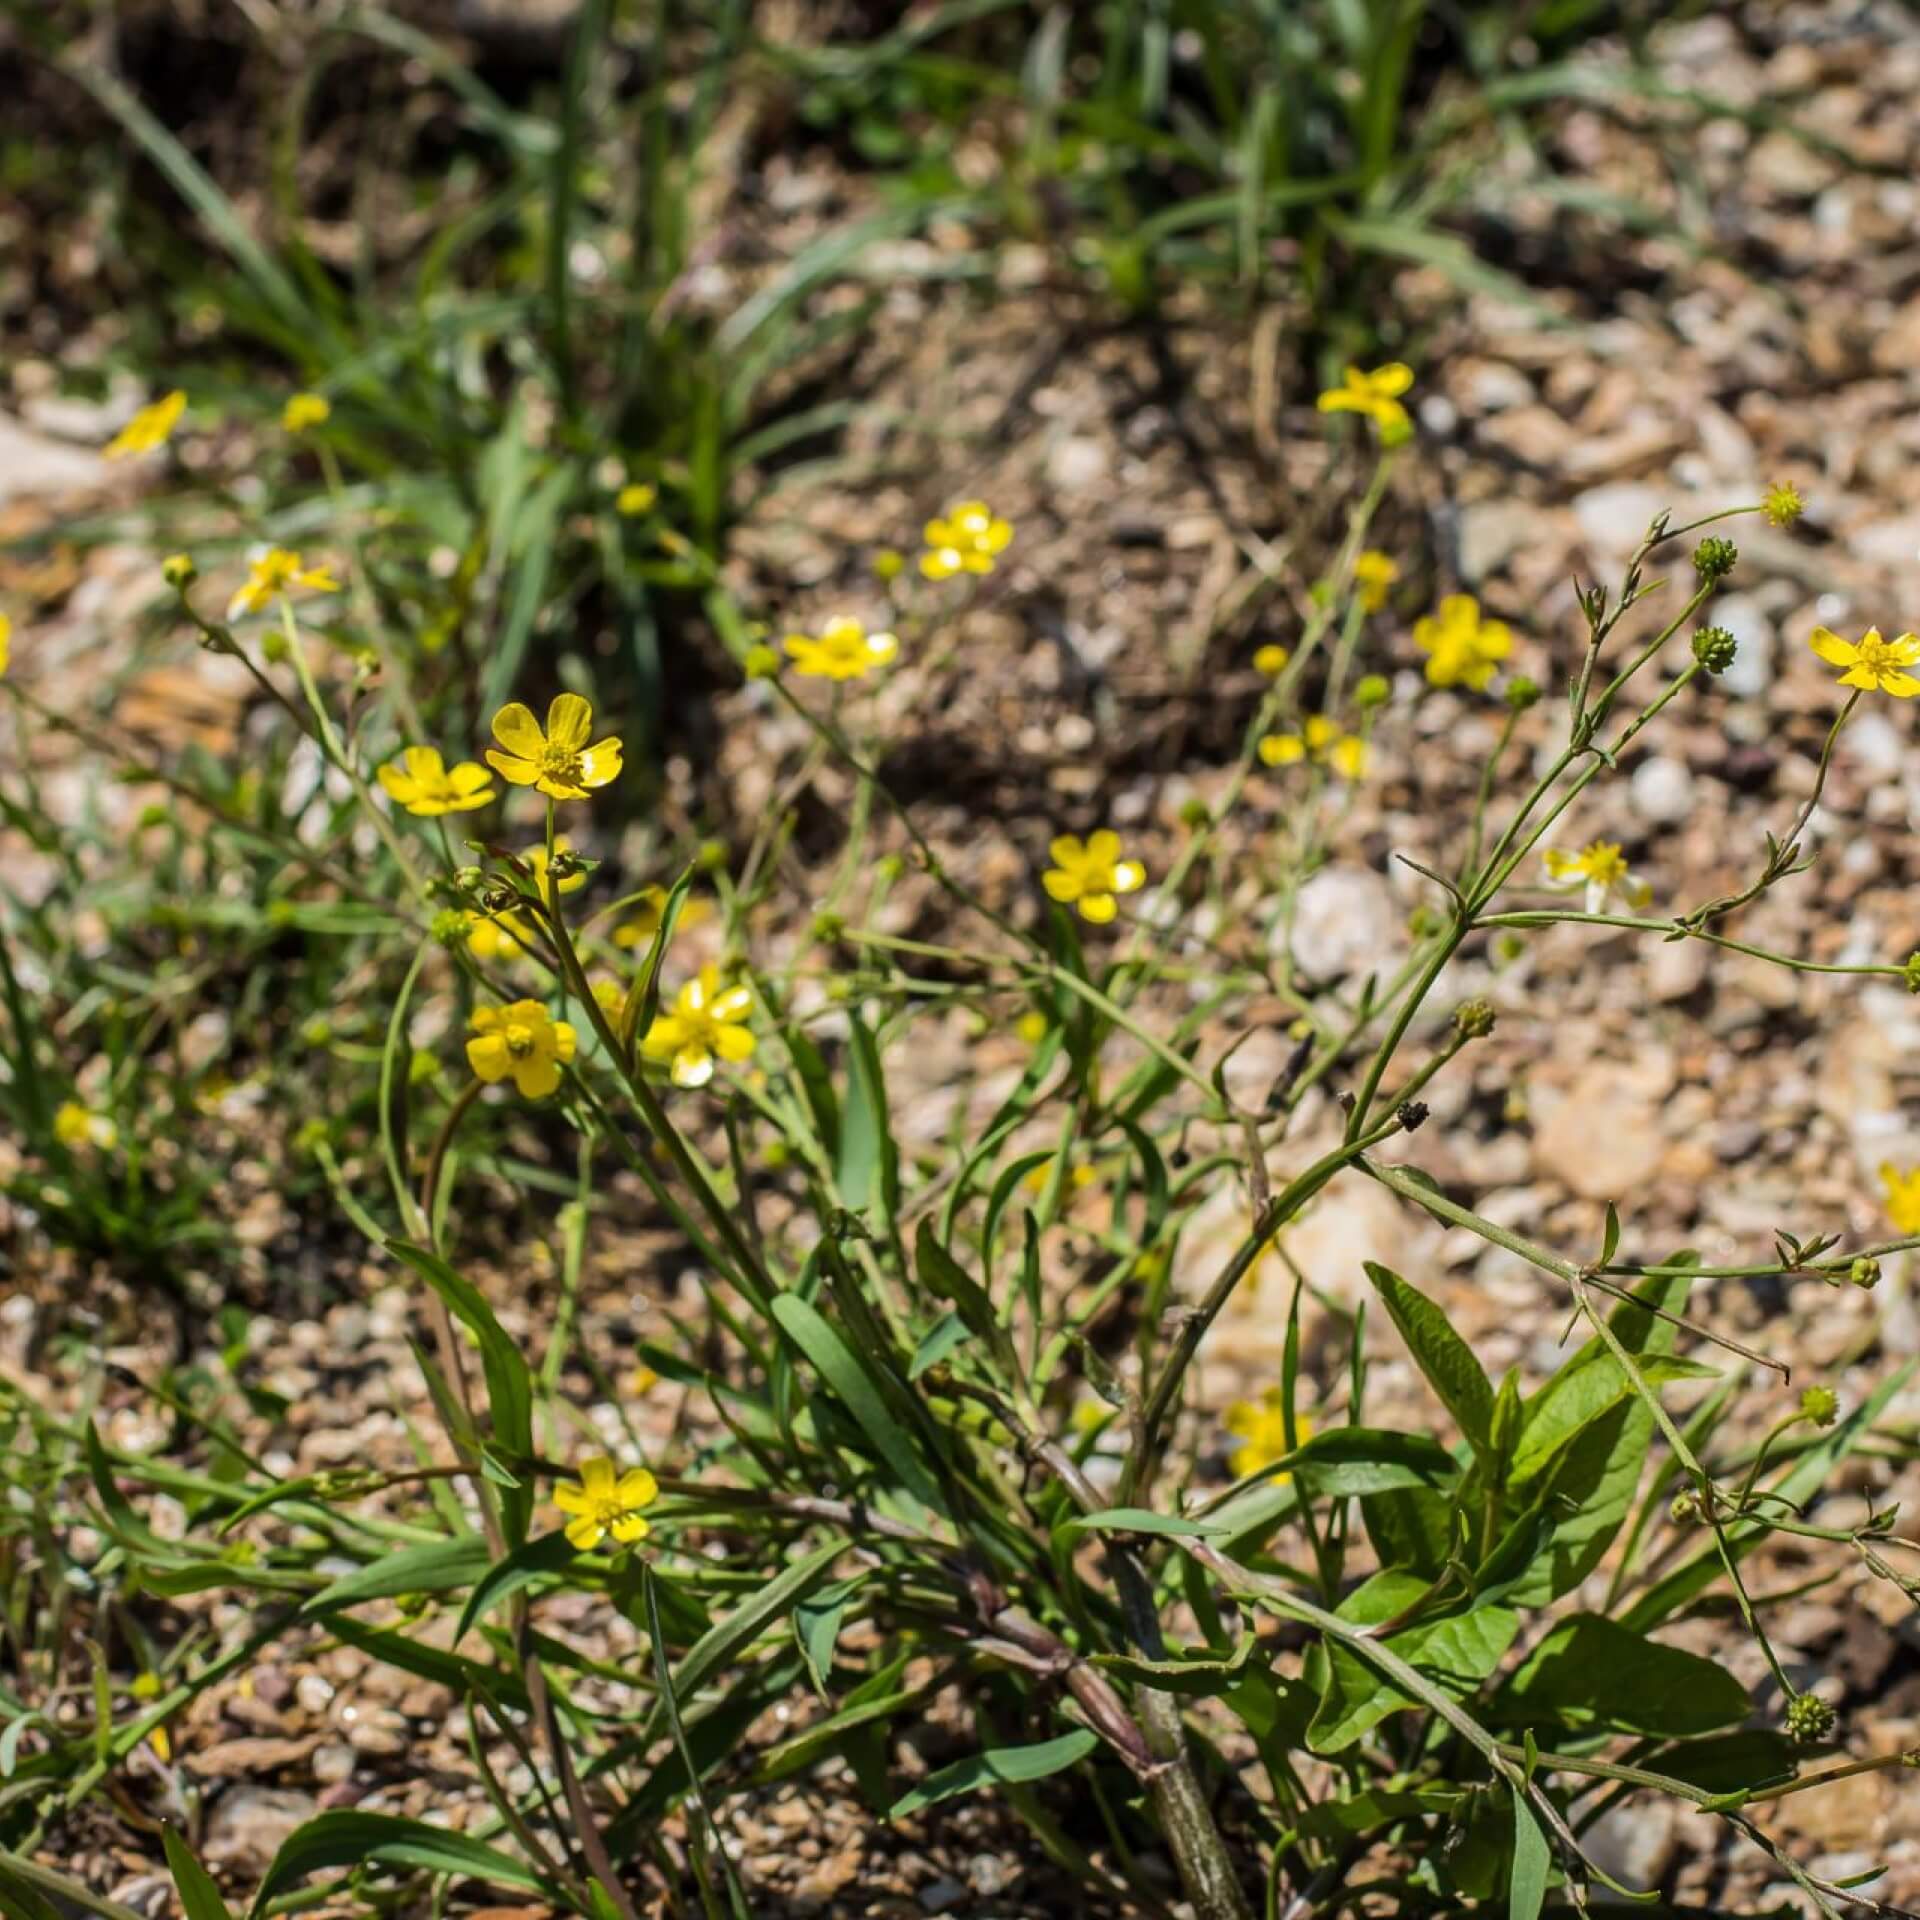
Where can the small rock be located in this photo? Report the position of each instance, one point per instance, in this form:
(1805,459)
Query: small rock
(1492,386)
(1077,465)
(1748,621)
(938,1895)
(1614,519)
(1491,533)
(1662,790)
(32,467)
(1345,921)
(1633,1844)
(248,1825)
(1603,1141)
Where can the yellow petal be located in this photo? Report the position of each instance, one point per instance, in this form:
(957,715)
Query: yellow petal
(1835,651)
(733,1043)
(1099,908)
(1066,851)
(487,1055)
(583,1535)
(1104,846)
(536,1078)
(569,722)
(519,732)
(569,1498)
(1395,377)
(1064,887)
(629,1528)
(637,1488)
(1128,875)
(509,766)
(597,1476)
(1903,686)
(600,763)
(692,1067)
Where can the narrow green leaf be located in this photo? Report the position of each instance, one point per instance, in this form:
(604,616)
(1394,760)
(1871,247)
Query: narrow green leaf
(198,1895)
(1010,1765)
(894,1451)
(530,1561)
(348,1837)
(440,1566)
(1527,1890)
(1140,1520)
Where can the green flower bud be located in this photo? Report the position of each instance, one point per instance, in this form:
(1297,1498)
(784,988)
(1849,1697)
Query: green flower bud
(1821,1405)
(1684,1508)
(451,925)
(1714,559)
(1809,1719)
(1864,1273)
(273,646)
(828,928)
(1715,648)
(888,868)
(761,663)
(179,571)
(712,855)
(1522,693)
(1913,971)
(1375,690)
(1473,1019)
(1194,812)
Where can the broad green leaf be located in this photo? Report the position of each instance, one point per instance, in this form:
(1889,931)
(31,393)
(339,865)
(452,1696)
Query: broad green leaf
(941,1274)
(816,1626)
(1362,1460)
(348,1837)
(198,1895)
(1440,1353)
(1456,1652)
(1373,1808)
(894,1450)
(1014,1765)
(1592,1675)
(1730,1762)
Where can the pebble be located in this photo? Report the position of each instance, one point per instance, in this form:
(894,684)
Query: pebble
(1662,791)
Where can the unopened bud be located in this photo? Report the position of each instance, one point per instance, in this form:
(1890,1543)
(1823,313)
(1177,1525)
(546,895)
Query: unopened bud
(1473,1019)
(1714,559)
(1821,1405)
(761,663)
(1809,1719)
(1522,693)
(1715,648)
(178,571)
(1373,690)
(1864,1273)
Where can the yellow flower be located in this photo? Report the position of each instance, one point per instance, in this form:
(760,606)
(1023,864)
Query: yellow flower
(499,936)
(1270,659)
(559,761)
(966,541)
(704,1022)
(1373,573)
(1602,869)
(1461,648)
(1088,875)
(1873,663)
(1261,1428)
(151,427)
(642,1380)
(274,572)
(844,651)
(425,785)
(521,1040)
(634,498)
(888,564)
(607,1503)
(1032,1026)
(6,641)
(306,410)
(1377,395)
(1783,504)
(78,1126)
(1903,1197)
(1320,741)
(612,997)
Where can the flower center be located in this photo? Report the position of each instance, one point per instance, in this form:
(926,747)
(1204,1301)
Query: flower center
(608,1508)
(560,763)
(1876,651)
(1608,865)
(519,1040)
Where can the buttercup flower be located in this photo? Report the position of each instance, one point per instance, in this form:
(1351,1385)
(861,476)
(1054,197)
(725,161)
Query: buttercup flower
(78,1126)
(1903,1197)
(277,571)
(705,1022)
(1783,504)
(1873,663)
(634,498)
(1261,1428)
(1321,741)
(1088,875)
(605,1503)
(1602,869)
(1373,573)
(1461,648)
(522,1040)
(306,410)
(966,541)
(559,761)
(425,785)
(845,650)
(1032,1026)
(151,427)
(1270,659)
(1377,395)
